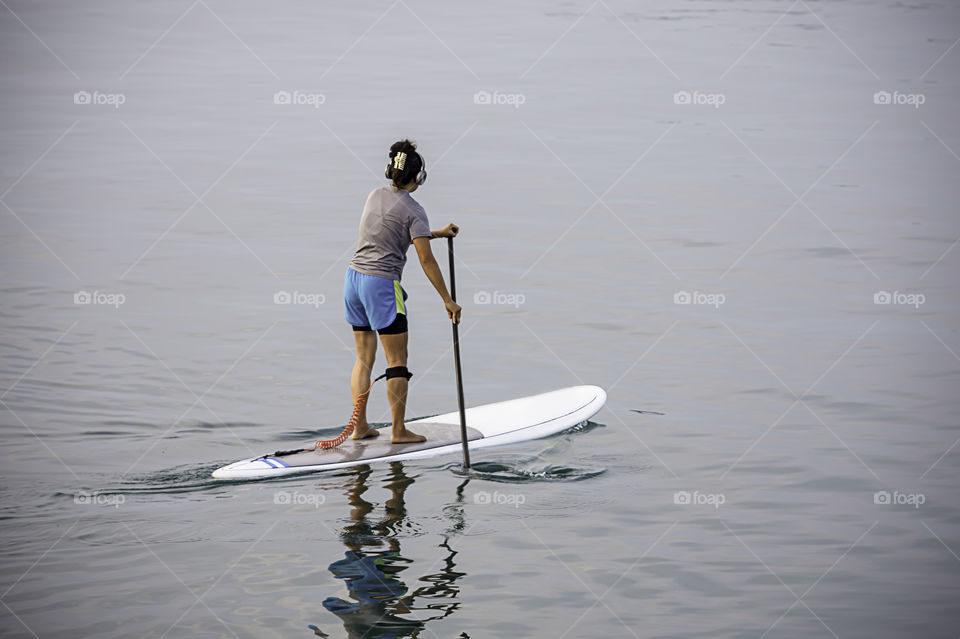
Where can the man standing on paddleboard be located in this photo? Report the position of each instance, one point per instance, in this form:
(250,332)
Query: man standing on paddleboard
(372,295)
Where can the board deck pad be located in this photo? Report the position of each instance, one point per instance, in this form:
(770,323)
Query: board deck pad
(354,450)
(501,423)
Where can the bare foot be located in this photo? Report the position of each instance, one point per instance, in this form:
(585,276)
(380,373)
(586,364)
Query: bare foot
(406,437)
(366,433)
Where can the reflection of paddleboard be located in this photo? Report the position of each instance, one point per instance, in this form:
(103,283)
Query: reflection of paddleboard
(516,420)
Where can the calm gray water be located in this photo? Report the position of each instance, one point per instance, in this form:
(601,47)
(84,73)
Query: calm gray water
(789,169)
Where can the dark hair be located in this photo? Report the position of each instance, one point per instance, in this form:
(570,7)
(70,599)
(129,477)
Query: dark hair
(411,167)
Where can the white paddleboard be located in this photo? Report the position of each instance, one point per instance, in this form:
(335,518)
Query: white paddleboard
(516,420)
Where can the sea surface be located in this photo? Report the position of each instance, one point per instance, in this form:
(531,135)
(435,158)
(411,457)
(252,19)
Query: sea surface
(739,217)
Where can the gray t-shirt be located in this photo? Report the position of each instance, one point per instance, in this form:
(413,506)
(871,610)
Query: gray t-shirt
(391,220)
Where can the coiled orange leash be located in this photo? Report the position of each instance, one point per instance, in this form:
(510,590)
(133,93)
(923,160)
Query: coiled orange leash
(326,444)
(351,425)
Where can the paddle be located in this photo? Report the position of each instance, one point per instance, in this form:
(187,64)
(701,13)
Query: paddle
(456,362)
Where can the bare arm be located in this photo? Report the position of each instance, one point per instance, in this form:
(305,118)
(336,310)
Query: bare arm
(432,270)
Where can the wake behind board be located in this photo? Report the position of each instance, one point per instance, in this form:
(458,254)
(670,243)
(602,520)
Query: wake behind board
(508,422)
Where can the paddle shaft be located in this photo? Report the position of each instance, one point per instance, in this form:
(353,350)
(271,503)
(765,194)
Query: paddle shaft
(456,362)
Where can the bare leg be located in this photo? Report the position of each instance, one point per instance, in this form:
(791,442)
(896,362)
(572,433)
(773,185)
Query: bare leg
(366,342)
(395,347)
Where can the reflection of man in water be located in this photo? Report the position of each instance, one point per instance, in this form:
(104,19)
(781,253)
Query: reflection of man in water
(371,573)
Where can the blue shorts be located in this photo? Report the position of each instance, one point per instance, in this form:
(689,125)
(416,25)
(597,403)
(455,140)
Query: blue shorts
(372,301)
